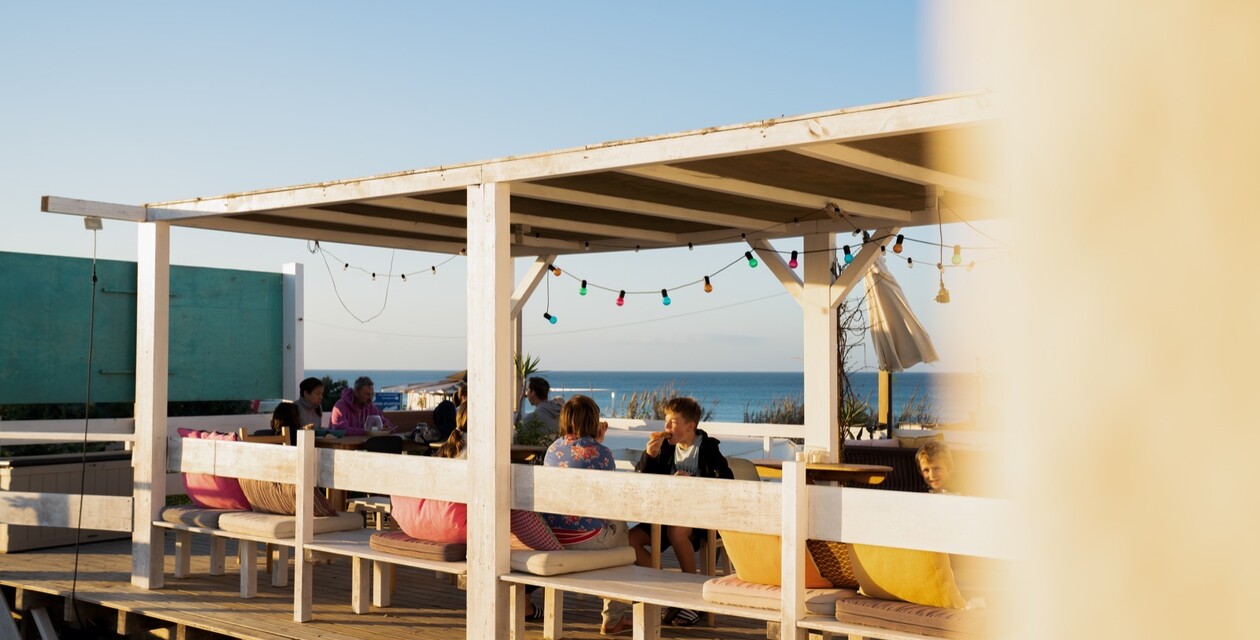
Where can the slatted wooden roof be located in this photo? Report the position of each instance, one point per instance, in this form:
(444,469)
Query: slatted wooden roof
(863,168)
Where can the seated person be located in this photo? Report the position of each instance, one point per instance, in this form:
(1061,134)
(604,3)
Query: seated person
(352,411)
(309,403)
(580,446)
(444,413)
(936,463)
(286,415)
(680,450)
(545,411)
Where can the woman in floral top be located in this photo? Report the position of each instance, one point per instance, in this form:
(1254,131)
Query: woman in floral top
(579,447)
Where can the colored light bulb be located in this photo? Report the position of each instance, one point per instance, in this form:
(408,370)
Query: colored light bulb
(752,262)
(910,262)
(665,297)
(708,287)
(582,291)
(942,296)
(550,318)
(621,298)
(691,247)
(554,269)
(957,259)
(792,263)
(848,255)
(897,246)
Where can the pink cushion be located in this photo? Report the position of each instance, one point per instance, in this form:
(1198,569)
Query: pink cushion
(529,532)
(432,520)
(213,492)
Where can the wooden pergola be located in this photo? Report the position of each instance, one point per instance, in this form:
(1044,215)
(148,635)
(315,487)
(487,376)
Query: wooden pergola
(879,168)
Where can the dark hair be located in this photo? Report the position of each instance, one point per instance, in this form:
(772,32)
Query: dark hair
(686,407)
(456,442)
(363,381)
(579,417)
(310,384)
(285,415)
(539,386)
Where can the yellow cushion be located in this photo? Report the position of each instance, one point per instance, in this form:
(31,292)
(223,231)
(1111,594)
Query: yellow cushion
(915,442)
(757,557)
(920,577)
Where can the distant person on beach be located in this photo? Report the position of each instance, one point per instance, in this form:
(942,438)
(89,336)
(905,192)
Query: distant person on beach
(310,402)
(286,414)
(444,413)
(352,411)
(936,463)
(546,411)
(680,450)
(580,446)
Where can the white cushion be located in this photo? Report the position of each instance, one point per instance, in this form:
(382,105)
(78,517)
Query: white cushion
(554,563)
(193,516)
(270,525)
(733,591)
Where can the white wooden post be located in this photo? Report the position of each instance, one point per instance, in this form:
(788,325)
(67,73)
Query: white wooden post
(489,416)
(293,363)
(148,460)
(524,289)
(820,349)
(795,526)
(303,569)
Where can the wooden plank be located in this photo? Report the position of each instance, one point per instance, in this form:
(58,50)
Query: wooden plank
(92,208)
(636,497)
(553,614)
(792,549)
(779,267)
(820,347)
(47,631)
(304,577)
(153,285)
(862,262)
(15,432)
(110,513)
(293,361)
(383,239)
(647,621)
(130,623)
(530,281)
(642,207)
(964,525)
(26,599)
(490,374)
(884,166)
(421,476)
(236,459)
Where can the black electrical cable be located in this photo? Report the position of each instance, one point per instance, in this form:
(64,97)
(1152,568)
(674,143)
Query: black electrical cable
(87,416)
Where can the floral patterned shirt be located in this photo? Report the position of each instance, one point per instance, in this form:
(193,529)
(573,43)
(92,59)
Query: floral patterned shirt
(577,453)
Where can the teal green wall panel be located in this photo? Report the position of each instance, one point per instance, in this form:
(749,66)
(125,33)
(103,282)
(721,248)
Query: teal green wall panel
(225,338)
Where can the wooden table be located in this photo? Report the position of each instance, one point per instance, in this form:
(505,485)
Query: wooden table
(521,453)
(357,443)
(854,474)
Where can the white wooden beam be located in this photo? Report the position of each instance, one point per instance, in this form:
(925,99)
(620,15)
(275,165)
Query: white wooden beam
(110,513)
(888,167)
(235,225)
(862,262)
(820,347)
(490,375)
(367,221)
(775,263)
(153,294)
(303,570)
(293,330)
(792,548)
(91,208)
(533,277)
(641,207)
(777,195)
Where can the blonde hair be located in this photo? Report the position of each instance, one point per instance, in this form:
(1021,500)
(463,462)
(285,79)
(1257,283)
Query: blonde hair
(458,439)
(935,451)
(579,417)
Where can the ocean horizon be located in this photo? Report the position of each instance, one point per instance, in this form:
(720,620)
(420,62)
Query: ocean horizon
(952,396)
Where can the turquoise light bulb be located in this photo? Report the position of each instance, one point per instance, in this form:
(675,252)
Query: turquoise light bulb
(848,255)
(665,297)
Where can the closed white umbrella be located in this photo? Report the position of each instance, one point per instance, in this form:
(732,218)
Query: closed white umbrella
(899,338)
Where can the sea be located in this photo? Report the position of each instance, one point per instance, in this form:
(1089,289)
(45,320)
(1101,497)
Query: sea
(950,397)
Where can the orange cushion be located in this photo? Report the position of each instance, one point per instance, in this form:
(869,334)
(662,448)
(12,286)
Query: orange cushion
(920,577)
(757,557)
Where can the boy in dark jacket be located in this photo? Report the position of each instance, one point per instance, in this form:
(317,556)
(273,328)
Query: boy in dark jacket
(680,450)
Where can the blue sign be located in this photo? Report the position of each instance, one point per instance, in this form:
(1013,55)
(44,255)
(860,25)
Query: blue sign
(388,399)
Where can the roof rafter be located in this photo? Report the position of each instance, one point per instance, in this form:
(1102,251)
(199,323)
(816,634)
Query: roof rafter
(877,164)
(615,203)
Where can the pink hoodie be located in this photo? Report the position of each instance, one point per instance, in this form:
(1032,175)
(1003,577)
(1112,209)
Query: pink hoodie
(346,415)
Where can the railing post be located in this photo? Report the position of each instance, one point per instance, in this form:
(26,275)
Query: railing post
(792,546)
(303,578)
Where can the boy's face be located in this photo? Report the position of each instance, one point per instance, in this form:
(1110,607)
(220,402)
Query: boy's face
(678,427)
(935,474)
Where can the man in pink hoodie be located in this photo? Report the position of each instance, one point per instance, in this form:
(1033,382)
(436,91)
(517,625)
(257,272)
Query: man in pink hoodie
(355,406)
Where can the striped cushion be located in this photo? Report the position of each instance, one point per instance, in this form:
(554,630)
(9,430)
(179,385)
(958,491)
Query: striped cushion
(281,499)
(914,618)
(400,543)
(733,591)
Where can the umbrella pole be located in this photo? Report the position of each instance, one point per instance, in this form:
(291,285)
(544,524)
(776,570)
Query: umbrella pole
(885,400)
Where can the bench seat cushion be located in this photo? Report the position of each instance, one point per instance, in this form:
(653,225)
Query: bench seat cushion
(194,516)
(964,624)
(269,525)
(398,542)
(733,591)
(554,563)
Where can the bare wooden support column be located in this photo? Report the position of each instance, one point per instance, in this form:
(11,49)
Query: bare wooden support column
(148,460)
(647,621)
(490,415)
(360,584)
(303,569)
(795,526)
(249,568)
(218,551)
(293,362)
(553,614)
(820,348)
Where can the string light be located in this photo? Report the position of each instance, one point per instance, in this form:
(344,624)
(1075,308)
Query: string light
(752,262)
(621,298)
(691,247)
(554,269)
(403,276)
(636,248)
(792,263)
(346,267)
(897,246)
(942,296)
(550,318)
(848,255)
(582,291)
(433,269)
(708,287)
(957,259)
(586,246)
(373,277)
(883,250)
(665,297)
(909,261)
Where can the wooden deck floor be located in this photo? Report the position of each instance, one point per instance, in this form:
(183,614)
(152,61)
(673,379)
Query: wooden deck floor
(424,606)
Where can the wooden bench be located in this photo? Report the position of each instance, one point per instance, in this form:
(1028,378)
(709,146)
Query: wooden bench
(356,545)
(247,552)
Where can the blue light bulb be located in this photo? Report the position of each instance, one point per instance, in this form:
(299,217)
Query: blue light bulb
(665,297)
(848,255)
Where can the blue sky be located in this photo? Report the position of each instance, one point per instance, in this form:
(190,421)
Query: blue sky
(142,102)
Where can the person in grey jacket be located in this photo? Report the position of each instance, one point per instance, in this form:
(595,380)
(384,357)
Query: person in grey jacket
(546,411)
